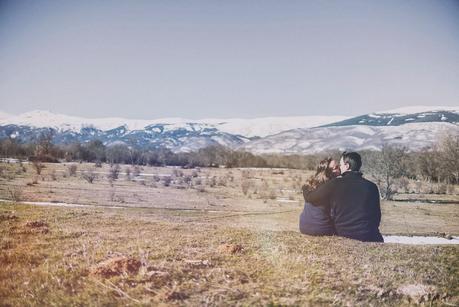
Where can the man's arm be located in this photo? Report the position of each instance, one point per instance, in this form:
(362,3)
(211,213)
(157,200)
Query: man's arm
(377,204)
(321,195)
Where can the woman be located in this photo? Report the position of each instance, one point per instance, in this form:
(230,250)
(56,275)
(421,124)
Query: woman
(316,221)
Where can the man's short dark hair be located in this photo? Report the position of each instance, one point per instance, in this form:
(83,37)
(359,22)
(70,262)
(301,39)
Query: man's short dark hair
(354,160)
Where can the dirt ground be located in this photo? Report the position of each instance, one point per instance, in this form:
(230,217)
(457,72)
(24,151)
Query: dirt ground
(167,236)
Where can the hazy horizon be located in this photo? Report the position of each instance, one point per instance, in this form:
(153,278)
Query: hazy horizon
(456,108)
(205,59)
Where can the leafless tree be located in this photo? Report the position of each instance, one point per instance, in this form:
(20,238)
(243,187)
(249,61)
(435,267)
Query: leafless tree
(114,172)
(89,175)
(72,168)
(38,166)
(387,166)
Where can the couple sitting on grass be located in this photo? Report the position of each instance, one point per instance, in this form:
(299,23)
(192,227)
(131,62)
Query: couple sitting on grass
(339,201)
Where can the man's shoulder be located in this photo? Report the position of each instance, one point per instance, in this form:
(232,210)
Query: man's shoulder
(360,178)
(370,184)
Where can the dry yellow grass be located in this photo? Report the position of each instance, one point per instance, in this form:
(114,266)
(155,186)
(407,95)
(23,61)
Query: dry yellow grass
(179,245)
(185,263)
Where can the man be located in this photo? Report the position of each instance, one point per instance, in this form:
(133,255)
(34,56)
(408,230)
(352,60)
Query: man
(353,201)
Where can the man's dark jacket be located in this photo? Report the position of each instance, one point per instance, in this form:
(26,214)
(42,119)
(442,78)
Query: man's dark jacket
(354,206)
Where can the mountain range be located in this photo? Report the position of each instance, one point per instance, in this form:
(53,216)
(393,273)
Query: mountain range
(413,127)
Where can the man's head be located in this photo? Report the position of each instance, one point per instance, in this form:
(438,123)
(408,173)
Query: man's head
(350,161)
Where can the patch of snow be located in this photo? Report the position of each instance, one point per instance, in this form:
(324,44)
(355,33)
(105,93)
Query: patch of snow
(420,240)
(286,200)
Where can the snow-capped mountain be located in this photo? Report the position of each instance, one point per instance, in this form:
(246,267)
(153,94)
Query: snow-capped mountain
(417,130)
(255,127)
(413,127)
(403,116)
(175,133)
(414,136)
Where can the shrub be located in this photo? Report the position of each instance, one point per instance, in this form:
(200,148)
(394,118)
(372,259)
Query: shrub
(177,173)
(245,174)
(72,168)
(53,175)
(403,184)
(167,181)
(128,173)
(212,182)
(114,172)
(442,188)
(136,171)
(89,176)
(245,185)
(15,194)
(222,181)
(38,166)
(272,194)
(187,179)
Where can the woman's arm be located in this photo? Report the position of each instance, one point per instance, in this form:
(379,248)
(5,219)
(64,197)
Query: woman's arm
(320,197)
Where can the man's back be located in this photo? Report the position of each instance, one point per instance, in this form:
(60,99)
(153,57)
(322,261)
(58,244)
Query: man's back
(354,206)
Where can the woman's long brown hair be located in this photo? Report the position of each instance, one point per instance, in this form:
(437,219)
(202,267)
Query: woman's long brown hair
(323,173)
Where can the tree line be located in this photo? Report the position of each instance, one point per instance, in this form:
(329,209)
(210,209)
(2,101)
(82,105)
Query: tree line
(438,164)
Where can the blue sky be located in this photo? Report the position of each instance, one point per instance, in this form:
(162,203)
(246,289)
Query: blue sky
(200,59)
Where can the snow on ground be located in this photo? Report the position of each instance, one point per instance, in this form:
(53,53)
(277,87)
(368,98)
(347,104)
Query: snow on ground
(420,240)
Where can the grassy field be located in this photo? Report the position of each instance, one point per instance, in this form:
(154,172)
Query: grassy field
(207,237)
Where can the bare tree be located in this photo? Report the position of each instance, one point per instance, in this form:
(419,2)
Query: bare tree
(245,185)
(44,144)
(167,181)
(387,166)
(449,158)
(15,194)
(89,175)
(38,166)
(72,168)
(114,172)
(128,173)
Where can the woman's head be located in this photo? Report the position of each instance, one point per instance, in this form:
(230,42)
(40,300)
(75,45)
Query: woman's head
(326,170)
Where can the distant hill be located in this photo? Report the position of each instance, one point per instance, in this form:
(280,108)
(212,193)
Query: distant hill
(403,116)
(417,130)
